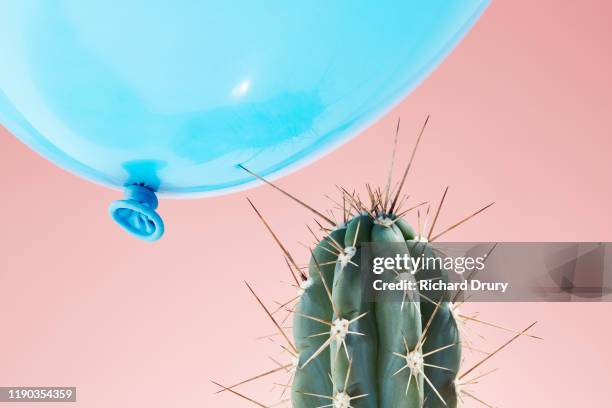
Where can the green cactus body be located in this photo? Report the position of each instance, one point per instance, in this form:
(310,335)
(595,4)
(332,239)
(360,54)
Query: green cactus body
(399,329)
(368,353)
(353,353)
(443,336)
(314,376)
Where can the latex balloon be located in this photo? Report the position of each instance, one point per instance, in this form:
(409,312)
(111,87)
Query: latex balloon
(170,97)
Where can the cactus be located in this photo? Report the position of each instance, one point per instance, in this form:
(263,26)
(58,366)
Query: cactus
(355,348)
(375,351)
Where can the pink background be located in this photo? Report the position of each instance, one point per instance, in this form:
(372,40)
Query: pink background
(520,116)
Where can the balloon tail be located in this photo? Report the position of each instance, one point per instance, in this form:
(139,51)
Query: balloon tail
(136,213)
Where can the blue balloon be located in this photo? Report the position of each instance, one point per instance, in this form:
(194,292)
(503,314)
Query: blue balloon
(171,97)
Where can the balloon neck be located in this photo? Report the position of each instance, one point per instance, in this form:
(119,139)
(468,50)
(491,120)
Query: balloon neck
(136,213)
(141,194)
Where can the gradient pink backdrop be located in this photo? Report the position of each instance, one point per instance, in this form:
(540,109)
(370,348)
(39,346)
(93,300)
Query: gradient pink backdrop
(521,115)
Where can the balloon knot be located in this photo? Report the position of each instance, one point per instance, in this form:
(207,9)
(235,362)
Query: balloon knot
(136,214)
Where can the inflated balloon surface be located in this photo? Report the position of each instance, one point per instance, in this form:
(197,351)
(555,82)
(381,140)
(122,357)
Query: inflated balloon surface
(170,97)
